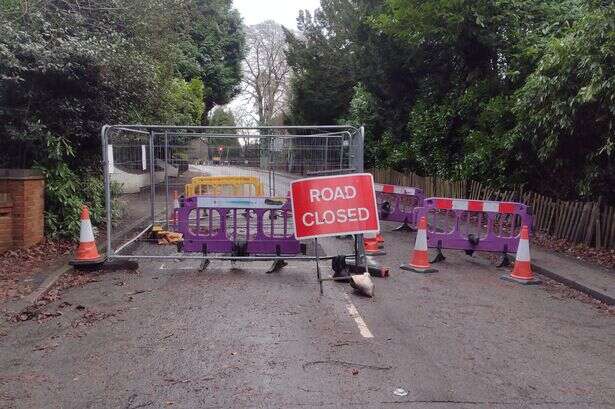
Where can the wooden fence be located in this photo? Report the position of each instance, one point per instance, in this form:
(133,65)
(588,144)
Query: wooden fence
(579,222)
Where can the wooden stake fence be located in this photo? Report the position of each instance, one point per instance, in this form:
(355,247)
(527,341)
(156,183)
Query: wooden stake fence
(589,223)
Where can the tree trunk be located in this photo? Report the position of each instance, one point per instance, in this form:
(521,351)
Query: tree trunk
(208,107)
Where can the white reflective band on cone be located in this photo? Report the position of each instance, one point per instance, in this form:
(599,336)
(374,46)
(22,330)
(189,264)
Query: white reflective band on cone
(421,240)
(86,234)
(523,251)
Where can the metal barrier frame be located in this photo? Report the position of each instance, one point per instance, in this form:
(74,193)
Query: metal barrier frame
(355,137)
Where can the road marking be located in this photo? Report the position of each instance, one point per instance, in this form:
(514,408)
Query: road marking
(354,314)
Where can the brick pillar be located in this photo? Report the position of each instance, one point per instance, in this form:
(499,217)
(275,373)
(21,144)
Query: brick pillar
(26,189)
(6,223)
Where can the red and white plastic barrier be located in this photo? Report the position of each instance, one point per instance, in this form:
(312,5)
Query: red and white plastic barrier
(399,204)
(476,205)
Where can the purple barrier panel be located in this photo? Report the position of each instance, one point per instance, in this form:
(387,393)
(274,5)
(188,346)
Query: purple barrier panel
(239,225)
(398,204)
(474,225)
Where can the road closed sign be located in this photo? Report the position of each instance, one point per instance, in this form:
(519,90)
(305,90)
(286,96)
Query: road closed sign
(334,206)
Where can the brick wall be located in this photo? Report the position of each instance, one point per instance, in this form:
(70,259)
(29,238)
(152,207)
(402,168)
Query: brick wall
(26,191)
(6,223)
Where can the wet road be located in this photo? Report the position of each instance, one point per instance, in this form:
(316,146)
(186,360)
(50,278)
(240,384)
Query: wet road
(171,336)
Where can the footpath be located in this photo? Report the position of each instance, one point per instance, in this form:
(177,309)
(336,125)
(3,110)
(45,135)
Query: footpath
(596,281)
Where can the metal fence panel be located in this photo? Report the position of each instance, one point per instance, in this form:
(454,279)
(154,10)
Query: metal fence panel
(147,167)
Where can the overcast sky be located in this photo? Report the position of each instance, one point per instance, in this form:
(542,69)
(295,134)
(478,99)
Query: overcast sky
(283,11)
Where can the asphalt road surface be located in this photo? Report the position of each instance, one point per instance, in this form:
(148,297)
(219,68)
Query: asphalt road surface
(169,336)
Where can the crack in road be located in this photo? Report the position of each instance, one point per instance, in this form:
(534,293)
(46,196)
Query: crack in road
(346,364)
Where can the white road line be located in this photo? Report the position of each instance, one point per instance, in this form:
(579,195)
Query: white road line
(354,314)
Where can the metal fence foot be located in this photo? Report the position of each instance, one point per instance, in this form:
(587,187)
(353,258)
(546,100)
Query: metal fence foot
(505,261)
(439,256)
(277,266)
(339,267)
(404,227)
(204,265)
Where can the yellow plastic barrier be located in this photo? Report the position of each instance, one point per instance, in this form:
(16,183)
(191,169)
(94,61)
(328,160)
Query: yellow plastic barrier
(227,185)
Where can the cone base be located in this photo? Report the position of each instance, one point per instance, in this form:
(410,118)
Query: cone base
(408,267)
(91,262)
(531,281)
(375,253)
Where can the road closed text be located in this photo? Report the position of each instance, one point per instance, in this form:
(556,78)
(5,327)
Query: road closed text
(337,216)
(334,216)
(334,205)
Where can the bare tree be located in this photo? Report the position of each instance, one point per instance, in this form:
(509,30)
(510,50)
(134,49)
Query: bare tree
(265,78)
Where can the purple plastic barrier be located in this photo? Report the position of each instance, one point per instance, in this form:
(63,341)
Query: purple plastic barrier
(399,204)
(240,226)
(474,225)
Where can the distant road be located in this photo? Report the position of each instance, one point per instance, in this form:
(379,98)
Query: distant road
(281,183)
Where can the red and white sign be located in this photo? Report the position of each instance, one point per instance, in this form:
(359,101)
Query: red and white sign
(334,206)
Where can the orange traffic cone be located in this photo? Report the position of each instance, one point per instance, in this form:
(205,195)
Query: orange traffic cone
(419,261)
(370,243)
(522,272)
(87,253)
